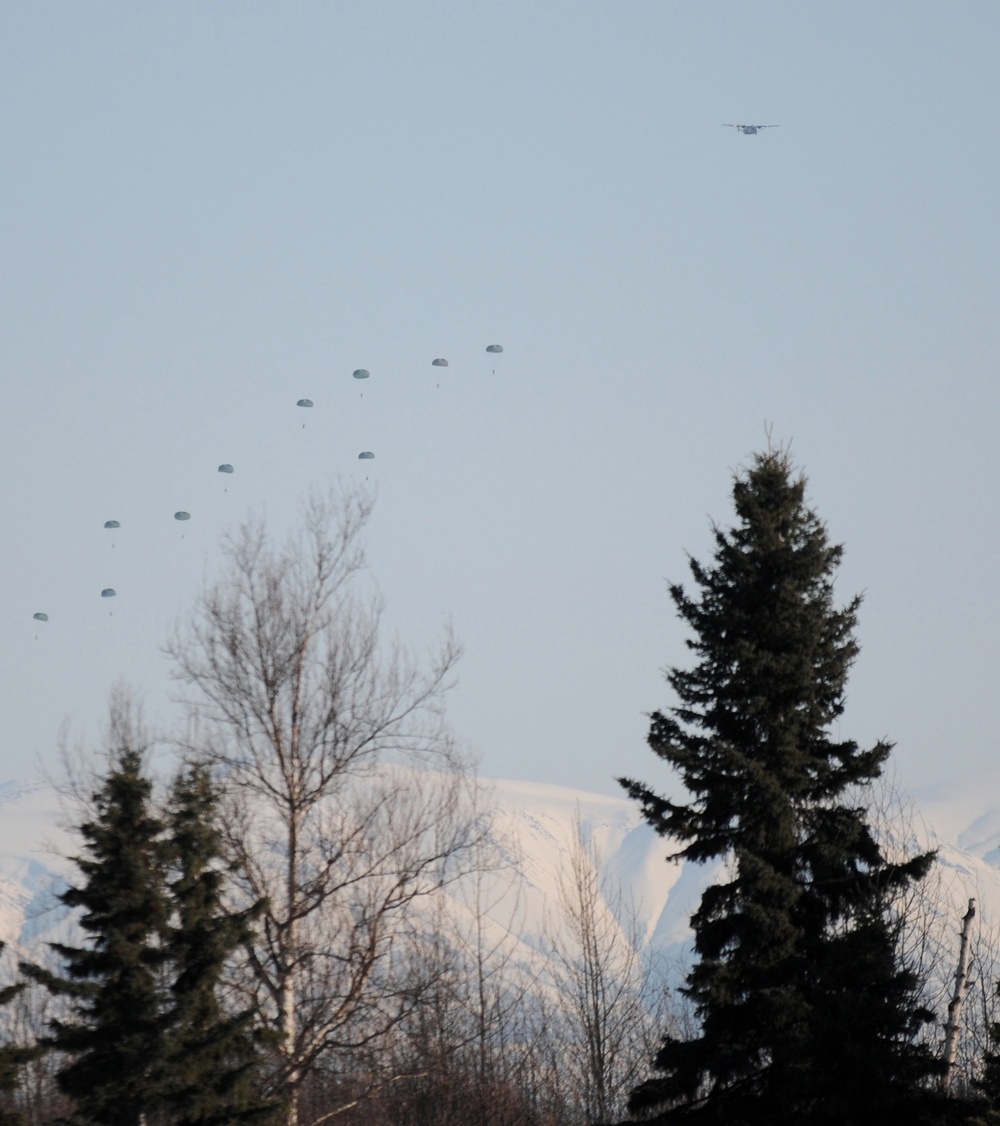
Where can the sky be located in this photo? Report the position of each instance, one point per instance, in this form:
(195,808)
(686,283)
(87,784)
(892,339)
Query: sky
(210,210)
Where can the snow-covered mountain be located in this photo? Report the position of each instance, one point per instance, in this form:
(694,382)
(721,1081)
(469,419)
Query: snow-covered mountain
(34,865)
(534,827)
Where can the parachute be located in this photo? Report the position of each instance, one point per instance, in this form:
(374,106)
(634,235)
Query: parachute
(111,524)
(108,592)
(39,617)
(227,468)
(361,374)
(182,515)
(365,455)
(439,363)
(494,348)
(304,403)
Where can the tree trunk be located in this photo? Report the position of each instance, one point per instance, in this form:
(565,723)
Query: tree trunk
(950,1050)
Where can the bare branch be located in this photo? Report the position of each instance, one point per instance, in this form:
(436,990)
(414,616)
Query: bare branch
(347,798)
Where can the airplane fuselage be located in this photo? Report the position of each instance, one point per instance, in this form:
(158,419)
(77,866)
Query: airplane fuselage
(748,129)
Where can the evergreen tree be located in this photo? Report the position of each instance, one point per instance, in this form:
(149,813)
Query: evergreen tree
(12,1058)
(213,1058)
(988,1083)
(806,1014)
(114,1037)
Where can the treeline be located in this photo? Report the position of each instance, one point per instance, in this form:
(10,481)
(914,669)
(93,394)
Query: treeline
(274,940)
(151,1019)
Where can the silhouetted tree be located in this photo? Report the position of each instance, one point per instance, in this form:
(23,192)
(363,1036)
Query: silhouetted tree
(806,1014)
(113,1037)
(13,1057)
(145,1037)
(213,1057)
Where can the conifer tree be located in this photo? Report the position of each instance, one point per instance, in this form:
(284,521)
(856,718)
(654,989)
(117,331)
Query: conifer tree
(988,1083)
(114,1036)
(12,1057)
(213,1058)
(806,1014)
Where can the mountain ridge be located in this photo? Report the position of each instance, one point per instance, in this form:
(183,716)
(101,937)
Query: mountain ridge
(650,897)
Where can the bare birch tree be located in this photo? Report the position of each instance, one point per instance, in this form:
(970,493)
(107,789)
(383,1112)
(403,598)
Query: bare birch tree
(929,923)
(607,996)
(347,800)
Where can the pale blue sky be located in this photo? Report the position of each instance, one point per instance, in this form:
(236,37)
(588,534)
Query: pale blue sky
(210,210)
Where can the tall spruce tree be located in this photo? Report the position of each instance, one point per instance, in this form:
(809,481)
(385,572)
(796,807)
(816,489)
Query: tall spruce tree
(114,1036)
(214,1057)
(806,1014)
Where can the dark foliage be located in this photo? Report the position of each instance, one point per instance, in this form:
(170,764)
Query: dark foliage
(806,1014)
(988,1084)
(212,1057)
(12,1058)
(148,1039)
(114,1039)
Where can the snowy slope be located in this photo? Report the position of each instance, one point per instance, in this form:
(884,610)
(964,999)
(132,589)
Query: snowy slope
(33,866)
(533,828)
